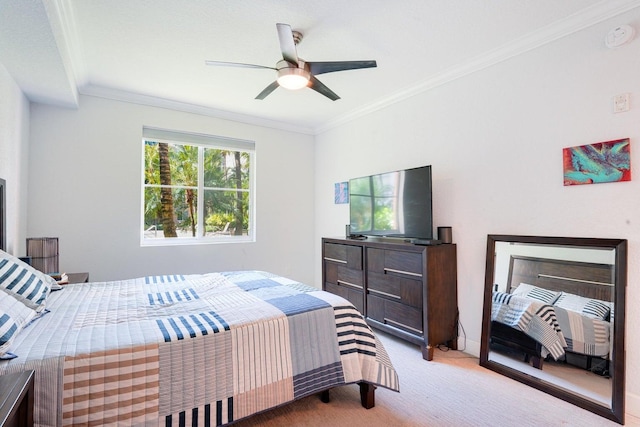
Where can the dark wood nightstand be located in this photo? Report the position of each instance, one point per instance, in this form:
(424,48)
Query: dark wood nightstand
(16,399)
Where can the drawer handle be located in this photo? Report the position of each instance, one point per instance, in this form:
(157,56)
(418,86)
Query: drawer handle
(341,261)
(402,325)
(392,270)
(352,285)
(385,294)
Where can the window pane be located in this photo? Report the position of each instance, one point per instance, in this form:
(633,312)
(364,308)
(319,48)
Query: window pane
(182,162)
(226,169)
(226,212)
(177,222)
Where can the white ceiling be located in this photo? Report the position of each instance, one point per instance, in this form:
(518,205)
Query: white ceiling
(153,51)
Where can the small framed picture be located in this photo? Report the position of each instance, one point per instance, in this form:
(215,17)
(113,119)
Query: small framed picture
(341,193)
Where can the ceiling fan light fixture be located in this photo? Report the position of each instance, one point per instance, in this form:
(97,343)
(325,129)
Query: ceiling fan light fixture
(293,78)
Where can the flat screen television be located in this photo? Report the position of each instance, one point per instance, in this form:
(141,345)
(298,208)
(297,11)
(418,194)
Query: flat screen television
(393,204)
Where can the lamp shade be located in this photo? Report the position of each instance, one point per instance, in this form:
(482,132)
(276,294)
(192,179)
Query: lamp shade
(293,78)
(44,253)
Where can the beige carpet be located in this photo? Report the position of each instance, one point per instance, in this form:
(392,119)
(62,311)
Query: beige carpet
(451,390)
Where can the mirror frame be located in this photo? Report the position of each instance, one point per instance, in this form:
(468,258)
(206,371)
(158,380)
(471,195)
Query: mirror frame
(616,411)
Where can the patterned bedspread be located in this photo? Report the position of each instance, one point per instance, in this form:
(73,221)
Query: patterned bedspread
(584,335)
(192,350)
(534,318)
(557,329)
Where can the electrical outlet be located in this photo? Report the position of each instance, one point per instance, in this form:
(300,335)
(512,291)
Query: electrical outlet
(621,103)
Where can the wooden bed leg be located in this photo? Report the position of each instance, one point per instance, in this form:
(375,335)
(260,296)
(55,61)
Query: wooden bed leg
(324,396)
(367,395)
(537,362)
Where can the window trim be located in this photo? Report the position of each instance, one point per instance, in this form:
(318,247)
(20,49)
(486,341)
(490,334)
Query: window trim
(207,141)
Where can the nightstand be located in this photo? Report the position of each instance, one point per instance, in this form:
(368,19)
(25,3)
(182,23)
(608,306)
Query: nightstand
(78,277)
(16,399)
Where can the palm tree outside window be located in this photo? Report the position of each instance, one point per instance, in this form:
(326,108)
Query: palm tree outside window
(196,188)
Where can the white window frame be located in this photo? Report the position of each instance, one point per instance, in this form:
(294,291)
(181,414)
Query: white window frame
(206,141)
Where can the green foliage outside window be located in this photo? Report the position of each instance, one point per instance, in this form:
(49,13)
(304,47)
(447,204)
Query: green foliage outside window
(179,177)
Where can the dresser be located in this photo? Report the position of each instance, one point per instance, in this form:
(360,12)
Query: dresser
(407,290)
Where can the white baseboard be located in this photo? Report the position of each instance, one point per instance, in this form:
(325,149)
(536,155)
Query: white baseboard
(632,405)
(468,346)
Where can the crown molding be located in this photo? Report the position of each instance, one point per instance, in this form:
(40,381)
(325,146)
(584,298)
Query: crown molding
(152,101)
(63,27)
(588,17)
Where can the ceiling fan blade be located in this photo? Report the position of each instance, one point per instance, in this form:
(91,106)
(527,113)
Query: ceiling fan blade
(236,64)
(267,90)
(331,66)
(319,87)
(287,44)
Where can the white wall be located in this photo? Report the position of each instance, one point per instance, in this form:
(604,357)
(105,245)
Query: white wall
(495,141)
(85,169)
(14,151)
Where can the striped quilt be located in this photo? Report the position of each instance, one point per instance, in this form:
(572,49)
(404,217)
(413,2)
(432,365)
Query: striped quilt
(198,350)
(557,329)
(536,319)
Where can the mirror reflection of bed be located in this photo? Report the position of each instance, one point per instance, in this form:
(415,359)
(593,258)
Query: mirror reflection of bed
(531,276)
(550,316)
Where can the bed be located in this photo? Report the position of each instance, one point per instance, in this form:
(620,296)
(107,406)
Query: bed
(200,350)
(555,308)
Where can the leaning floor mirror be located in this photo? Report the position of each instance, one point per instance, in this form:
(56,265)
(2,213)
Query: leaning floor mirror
(553,317)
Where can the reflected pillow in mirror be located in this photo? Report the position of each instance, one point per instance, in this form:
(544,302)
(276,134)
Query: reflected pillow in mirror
(594,308)
(533,292)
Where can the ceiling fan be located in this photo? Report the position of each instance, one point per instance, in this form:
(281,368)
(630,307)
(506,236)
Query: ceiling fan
(295,73)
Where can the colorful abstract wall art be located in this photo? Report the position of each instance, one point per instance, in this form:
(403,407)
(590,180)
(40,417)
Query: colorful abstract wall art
(341,193)
(608,161)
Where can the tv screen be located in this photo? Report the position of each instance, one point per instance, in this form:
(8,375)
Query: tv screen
(392,204)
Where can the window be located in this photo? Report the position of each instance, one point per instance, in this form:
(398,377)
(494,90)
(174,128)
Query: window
(196,189)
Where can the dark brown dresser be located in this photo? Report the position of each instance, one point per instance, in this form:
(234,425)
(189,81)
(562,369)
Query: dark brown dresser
(407,290)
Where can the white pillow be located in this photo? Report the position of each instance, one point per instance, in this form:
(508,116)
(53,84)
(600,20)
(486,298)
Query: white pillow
(594,308)
(533,292)
(14,315)
(24,282)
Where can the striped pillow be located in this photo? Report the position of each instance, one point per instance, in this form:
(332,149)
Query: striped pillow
(14,316)
(533,292)
(594,308)
(24,282)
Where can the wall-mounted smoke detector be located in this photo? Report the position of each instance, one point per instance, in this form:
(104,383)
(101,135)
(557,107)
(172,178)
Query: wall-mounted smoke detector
(619,36)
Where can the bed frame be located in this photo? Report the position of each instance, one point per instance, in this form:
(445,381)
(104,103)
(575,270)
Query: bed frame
(586,279)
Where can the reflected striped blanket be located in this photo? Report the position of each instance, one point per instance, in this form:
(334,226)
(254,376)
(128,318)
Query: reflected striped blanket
(192,350)
(584,335)
(536,319)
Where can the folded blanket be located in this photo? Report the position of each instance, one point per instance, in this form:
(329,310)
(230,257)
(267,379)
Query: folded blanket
(534,318)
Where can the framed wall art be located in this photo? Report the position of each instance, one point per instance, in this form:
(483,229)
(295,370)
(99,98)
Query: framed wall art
(608,161)
(341,193)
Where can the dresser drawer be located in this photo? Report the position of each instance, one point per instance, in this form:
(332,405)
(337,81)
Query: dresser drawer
(396,288)
(346,255)
(395,314)
(354,296)
(341,275)
(384,261)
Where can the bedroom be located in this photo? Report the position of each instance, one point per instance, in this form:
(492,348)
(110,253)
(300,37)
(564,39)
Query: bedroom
(494,136)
